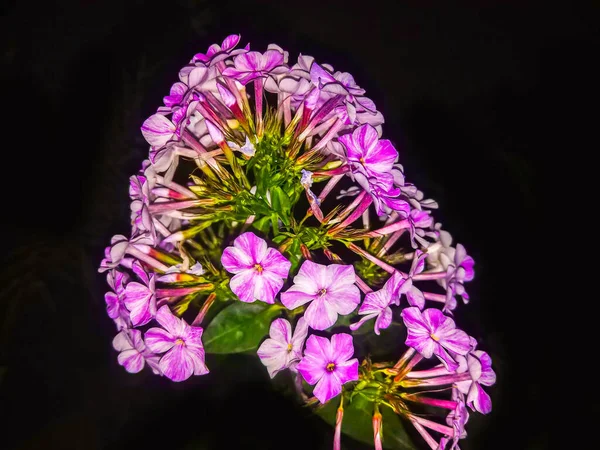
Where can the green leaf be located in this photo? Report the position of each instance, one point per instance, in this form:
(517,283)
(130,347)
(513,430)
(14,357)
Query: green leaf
(280,201)
(263,224)
(239,327)
(357,422)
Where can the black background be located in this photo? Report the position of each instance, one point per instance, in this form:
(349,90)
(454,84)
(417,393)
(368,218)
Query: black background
(480,100)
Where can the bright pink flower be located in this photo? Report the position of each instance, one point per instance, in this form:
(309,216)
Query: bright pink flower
(432,333)
(330,289)
(181,345)
(328,365)
(259,270)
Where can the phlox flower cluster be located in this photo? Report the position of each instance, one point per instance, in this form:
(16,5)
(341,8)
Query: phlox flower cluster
(229,208)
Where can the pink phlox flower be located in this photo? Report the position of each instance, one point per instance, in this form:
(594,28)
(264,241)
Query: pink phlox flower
(419,221)
(259,270)
(457,419)
(282,350)
(377,305)
(114,255)
(480,369)
(458,273)
(369,155)
(140,298)
(217,53)
(328,364)
(133,352)
(115,306)
(430,333)
(329,289)
(405,285)
(251,65)
(180,344)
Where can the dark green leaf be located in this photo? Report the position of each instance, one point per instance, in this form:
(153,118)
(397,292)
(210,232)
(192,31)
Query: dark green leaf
(239,327)
(357,422)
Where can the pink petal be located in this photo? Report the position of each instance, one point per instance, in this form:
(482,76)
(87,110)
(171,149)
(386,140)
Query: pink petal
(177,364)
(312,277)
(132,360)
(271,59)
(281,331)
(122,342)
(383,320)
(266,286)
(230,42)
(327,387)
(457,341)
(382,157)
(159,340)
(252,245)
(413,319)
(170,322)
(415,297)
(479,400)
(300,335)
(274,355)
(340,275)
(320,314)
(343,299)
(295,296)
(243,284)
(342,347)
(318,349)
(347,371)
(158,130)
(196,354)
(365,137)
(235,260)
(275,262)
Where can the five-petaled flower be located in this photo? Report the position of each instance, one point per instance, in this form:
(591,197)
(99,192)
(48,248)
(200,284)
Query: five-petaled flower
(432,333)
(330,289)
(283,350)
(259,270)
(181,345)
(133,352)
(328,365)
(140,298)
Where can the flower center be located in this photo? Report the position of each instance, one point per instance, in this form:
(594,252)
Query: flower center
(362,160)
(179,342)
(434,337)
(258,268)
(322,292)
(289,348)
(330,367)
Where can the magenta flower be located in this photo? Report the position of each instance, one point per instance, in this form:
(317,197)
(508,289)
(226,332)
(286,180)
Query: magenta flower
(432,333)
(251,65)
(480,369)
(405,286)
(328,364)
(283,350)
(140,298)
(331,290)
(217,53)
(260,270)
(458,273)
(133,352)
(115,306)
(181,345)
(369,155)
(377,304)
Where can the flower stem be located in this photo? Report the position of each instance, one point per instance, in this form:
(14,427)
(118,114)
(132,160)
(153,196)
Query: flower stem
(205,307)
